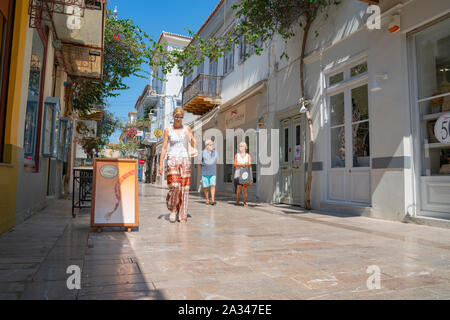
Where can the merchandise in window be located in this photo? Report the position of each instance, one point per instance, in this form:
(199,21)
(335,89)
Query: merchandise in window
(51,126)
(6,26)
(64,139)
(34,86)
(433,71)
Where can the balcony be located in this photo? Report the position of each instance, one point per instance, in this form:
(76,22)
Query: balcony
(78,27)
(202,94)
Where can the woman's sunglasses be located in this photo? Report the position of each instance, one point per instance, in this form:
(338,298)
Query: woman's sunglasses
(178,117)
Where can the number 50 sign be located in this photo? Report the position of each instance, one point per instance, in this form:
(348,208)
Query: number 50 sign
(442,129)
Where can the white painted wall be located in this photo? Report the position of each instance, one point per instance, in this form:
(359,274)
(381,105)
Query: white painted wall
(341,36)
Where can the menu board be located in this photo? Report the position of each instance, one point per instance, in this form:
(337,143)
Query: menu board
(115,193)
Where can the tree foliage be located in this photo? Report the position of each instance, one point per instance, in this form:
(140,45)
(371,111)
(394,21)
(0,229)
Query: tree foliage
(258,21)
(105,128)
(126,53)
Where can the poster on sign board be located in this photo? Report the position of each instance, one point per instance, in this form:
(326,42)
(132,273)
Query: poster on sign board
(115,193)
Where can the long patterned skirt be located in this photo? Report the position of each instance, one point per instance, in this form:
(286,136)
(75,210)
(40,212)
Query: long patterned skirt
(179,181)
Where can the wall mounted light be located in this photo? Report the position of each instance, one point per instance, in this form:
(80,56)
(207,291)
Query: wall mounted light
(375,86)
(303,103)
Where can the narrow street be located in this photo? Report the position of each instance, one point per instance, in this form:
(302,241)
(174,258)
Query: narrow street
(223,252)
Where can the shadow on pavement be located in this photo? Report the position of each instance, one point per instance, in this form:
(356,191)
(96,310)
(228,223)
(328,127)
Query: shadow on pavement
(109,267)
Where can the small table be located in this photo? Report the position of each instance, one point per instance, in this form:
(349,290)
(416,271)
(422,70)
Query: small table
(82,186)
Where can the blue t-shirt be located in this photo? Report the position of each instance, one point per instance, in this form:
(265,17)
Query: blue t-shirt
(209,161)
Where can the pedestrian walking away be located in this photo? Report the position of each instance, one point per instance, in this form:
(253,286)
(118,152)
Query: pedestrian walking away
(176,143)
(208,163)
(243,172)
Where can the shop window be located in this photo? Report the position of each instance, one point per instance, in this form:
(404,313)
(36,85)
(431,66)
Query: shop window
(51,128)
(6,13)
(349,119)
(62,139)
(33,101)
(360,127)
(337,131)
(433,78)
(229,167)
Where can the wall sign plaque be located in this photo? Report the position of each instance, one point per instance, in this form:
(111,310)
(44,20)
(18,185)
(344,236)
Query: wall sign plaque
(109,171)
(442,129)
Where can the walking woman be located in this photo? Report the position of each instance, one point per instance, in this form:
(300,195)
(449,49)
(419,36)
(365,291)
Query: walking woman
(176,139)
(241,160)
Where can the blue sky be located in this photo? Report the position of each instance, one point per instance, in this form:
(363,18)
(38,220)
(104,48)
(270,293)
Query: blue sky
(154,17)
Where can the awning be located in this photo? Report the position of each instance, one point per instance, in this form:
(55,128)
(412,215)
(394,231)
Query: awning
(203,120)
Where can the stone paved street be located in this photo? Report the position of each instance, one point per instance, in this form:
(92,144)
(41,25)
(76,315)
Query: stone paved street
(223,252)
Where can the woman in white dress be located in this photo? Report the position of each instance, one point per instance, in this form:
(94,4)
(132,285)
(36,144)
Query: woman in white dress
(176,139)
(241,160)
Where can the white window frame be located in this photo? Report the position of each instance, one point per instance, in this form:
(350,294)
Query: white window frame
(418,209)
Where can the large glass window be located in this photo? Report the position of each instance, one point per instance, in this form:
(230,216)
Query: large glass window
(34,85)
(51,127)
(5,52)
(337,113)
(360,127)
(433,72)
(49,130)
(349,119)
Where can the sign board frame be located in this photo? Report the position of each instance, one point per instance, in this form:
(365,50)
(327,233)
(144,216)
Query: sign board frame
(98,165)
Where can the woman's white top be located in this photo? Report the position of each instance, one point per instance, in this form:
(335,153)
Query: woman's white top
(178,144)
(240,160)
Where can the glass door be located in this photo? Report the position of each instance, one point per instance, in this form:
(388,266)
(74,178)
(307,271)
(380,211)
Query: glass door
(349,146)
(292,164)
(298,162)
(431,50)
(285,159)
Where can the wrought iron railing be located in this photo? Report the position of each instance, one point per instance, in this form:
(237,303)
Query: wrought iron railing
(204,85)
